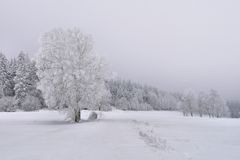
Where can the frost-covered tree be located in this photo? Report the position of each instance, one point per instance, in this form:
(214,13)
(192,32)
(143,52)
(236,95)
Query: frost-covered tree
(151,98)
(1,91)
(71,75)
(168,102)
(4,75)
(134,103)
(189,103)
(21,83)
(211,104)
(123,104)
(3,69)
(7,104)
(203,107)
(217,105)
(26,83)
(234,108)
(12,67)
(7,74)
(104,103)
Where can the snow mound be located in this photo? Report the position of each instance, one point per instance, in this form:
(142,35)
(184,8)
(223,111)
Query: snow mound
(93,116)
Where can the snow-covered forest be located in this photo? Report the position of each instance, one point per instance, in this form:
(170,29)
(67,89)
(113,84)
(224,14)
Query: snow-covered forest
(67,74)
(18,79)
(19,91)
(127,95)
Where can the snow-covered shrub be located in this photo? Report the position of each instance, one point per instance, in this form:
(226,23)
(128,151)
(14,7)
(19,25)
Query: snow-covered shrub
(7,104)
(31,103)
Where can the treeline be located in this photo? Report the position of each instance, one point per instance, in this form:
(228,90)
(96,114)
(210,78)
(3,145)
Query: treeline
(18,84)
(18,91)
(127,95)
(211,104)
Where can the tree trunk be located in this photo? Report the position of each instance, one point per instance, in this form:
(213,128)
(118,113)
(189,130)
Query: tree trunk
(77,116)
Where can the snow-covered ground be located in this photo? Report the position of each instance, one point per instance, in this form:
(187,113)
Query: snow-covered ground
(118,135)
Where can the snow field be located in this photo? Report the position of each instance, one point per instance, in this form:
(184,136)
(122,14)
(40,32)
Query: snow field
(120,135)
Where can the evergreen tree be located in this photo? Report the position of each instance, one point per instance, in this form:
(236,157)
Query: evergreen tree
(21,78)
(26,84)
(4,76)
(11,70)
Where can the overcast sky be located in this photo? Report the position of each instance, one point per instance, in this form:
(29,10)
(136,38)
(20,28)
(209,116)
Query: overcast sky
(171,44)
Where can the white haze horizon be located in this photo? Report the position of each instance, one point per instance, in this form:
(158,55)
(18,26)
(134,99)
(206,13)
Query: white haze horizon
(172,45)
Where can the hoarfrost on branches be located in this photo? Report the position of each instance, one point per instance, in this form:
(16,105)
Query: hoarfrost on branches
(71,75)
